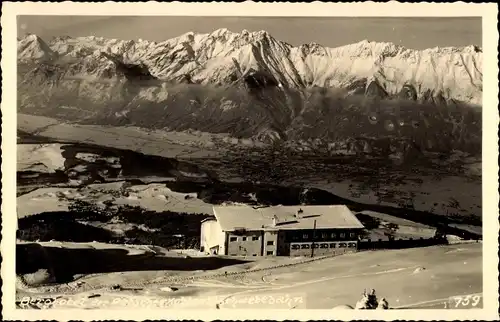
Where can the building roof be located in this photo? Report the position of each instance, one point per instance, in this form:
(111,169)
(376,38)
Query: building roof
(247,217)
(209,218)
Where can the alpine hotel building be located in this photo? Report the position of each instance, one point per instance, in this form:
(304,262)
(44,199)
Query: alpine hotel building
(244,230)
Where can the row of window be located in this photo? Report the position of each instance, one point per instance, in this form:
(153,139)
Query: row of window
(323,245)
(304,237)
(325,236)
(269,252)
(254,238)
(244,238)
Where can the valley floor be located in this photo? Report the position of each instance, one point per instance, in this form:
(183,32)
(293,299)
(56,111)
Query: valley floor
(438,190)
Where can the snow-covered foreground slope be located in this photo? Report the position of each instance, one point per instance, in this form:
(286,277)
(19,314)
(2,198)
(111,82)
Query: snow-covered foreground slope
(409,278)
(221,57)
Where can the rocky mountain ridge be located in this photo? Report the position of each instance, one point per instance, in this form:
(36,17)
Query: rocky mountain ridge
(222,57)
(250,85)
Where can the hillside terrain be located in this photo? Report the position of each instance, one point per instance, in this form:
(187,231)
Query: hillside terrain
(78,192)
(156,278)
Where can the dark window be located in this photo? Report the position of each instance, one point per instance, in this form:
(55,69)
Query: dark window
(270,242)
(255,238)
(342,245)
(295,246)
(254,255)
(352,244)
(324,236)
(244,239)
(342,235)
(332,245)
(269,252)
(323,246)
(305,236)
(233,239)
(352,235)
(305,246)
(315,245)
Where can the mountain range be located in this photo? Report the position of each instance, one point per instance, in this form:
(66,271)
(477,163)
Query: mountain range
(250,84)
(222,56)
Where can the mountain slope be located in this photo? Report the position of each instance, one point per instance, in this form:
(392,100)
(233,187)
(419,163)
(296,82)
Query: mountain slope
(251,85)
(33,47)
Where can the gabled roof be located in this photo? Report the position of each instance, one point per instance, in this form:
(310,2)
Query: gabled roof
(236,217)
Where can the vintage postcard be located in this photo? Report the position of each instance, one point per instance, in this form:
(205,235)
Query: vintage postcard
(249,161)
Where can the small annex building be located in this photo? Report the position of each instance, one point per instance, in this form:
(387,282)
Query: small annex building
(243,230)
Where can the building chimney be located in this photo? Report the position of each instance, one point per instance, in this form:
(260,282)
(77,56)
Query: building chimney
(275,219)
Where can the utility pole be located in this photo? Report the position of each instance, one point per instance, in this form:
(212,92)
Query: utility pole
(313,237)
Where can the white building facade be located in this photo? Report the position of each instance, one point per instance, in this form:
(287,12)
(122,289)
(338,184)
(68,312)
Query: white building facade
(280,231)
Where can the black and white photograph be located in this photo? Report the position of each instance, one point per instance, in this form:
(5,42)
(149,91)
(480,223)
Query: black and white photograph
(197,162)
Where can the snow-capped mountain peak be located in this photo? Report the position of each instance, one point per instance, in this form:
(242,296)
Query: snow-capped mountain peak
(32,47)
(222,56)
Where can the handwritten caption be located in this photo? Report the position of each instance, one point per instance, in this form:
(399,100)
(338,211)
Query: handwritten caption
(471,301)
(277,301)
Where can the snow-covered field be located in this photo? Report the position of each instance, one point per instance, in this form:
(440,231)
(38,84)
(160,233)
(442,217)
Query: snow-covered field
(403,228)
(39,157)
(432,195)
(161,143)
(404,277)
(155,197)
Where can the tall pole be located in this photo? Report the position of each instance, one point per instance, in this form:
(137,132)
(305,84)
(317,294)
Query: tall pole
(313,237)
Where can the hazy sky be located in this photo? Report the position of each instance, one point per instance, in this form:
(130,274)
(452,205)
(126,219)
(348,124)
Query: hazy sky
(417,33)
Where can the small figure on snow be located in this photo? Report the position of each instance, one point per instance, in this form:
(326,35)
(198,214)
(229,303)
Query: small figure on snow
(383,304)
(372,300)
(362,304)
(368,301)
